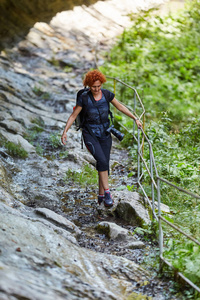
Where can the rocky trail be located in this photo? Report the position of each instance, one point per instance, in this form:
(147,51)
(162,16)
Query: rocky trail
(55,241)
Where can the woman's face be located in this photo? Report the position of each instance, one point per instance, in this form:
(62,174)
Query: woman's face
(96,87)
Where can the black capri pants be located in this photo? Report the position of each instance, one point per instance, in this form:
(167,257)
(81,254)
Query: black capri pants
(100,149)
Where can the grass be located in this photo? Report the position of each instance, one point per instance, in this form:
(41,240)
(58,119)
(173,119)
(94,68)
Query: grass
(14,150)
(85,178)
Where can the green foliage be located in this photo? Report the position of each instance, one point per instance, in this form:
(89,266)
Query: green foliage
(32,133)
(39,150)
(160,57)
(86,177)
(55,141)
(176,154)
(149,232)
(15,150)
(185,256)
(67,69)
(177,160)
(63,154)
(40,93)
(38,121)
(54,62)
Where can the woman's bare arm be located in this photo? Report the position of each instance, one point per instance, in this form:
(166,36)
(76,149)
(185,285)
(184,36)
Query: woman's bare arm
(126,111)
(69,123)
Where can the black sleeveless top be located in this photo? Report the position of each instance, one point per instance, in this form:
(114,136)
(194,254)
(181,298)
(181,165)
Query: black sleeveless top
(92,116)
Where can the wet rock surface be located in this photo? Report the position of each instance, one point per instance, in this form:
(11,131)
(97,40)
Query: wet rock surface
(56,242)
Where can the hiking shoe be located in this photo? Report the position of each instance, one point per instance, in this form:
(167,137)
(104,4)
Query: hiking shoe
(100,199)
(108,201)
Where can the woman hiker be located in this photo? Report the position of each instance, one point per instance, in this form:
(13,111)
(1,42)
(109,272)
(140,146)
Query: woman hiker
(95,135)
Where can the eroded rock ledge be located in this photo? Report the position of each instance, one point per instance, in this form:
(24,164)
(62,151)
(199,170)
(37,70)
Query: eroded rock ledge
(17,17)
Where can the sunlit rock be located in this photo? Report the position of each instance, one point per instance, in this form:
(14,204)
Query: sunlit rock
(63,222)
(131,208)
(120,234)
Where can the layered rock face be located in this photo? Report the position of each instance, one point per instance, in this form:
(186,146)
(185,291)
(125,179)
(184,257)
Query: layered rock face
(17,17)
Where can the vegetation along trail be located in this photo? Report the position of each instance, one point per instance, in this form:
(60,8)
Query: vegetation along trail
(160,56)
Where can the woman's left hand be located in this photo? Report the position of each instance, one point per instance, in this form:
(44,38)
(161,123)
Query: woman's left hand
(139,124)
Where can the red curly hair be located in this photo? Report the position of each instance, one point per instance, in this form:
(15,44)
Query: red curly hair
(93,76)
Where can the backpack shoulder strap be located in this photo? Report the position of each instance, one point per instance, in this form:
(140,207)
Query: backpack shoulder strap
(80,92)
(106,95)
(84,94)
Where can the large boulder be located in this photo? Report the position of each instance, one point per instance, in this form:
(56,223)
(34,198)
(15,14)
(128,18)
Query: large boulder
(129,207)
(124,237)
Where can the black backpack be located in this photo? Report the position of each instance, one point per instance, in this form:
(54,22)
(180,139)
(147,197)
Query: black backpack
(80,120)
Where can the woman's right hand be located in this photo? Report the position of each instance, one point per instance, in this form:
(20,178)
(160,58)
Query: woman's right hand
(69,123)
(64,138)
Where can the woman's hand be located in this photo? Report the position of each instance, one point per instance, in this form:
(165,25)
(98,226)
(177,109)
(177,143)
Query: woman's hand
(64,138)
(69,123)
(138,123)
